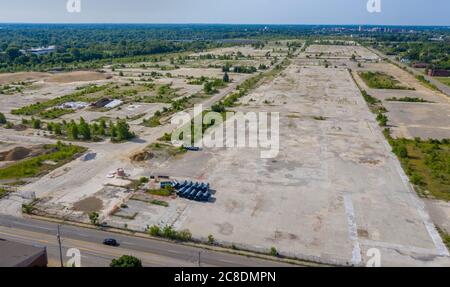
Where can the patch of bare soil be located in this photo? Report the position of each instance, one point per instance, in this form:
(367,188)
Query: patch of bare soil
(88,205)
(8,78)
(142,156)
(78,76)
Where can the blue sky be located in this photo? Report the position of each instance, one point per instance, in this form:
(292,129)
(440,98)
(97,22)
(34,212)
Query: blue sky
(394,12)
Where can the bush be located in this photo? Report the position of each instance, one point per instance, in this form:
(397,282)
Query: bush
(273,251)
(402,152)
(126,261)
(169,233)
(218,108)
(417,179)
(211,239)
(35,123)
(154,230)
(93,217)
(382,119)
(27,208)
(184,235)
(2,119)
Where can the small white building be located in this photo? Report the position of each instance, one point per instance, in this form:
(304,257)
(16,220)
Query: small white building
(41,50)
(114,104)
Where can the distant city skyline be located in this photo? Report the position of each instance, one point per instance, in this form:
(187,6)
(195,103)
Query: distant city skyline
(315,12)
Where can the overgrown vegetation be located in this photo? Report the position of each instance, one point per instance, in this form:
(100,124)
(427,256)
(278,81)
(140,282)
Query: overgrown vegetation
(273,251)
(427,163)
(159,202)
(59,154)
(408,100)
(443,80)
(378,80)
(170,233)
(427,83)
(3,192)
(166,191)
(126,261)
(445,237)
(251,83)
(93,218)
(41,108)
(2,119)
(374,104)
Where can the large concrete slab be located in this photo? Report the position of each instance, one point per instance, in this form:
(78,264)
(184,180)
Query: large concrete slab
(334,191)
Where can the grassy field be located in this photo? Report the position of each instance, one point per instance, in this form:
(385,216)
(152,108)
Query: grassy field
(445,80)
(3,192)
(427,163)
(58,155)
(445,237)
(378,80)
(426,83)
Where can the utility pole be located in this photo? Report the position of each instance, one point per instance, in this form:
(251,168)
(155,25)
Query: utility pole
(58,236)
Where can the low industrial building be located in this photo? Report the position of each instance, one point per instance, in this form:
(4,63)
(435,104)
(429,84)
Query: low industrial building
(101,103)
(15,254)
(439,73)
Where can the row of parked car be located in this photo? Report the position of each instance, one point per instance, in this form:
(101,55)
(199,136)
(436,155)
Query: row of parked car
(193,191)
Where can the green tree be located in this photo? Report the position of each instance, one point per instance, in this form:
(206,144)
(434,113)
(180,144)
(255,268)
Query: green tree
(126,261)
(273,251)
(154,230)
(36,123)
(2,119)
(112,130)
(72,130)
(123,131)
(218,108)
(57,129)
(13,53)
(211,239)
(27,208)
(226,78)
(93,217)
(84,129)
(208,88)
(382,119)
(402,152)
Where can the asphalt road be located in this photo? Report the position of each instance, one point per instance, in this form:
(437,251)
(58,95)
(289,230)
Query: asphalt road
(153,253)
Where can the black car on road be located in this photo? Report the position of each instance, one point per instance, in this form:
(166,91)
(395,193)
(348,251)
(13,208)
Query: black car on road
(110,242)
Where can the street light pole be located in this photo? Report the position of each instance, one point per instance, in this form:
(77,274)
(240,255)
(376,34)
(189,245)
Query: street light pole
(58,236)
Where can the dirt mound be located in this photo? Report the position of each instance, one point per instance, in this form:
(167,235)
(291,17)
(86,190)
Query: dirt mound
(17,153)
(142,156)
